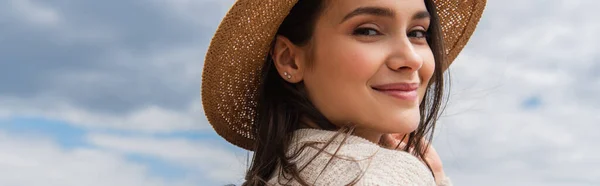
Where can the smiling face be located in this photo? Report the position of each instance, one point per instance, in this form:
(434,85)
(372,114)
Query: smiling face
(367,64)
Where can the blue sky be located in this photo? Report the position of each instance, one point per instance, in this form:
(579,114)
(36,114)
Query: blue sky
(108,93)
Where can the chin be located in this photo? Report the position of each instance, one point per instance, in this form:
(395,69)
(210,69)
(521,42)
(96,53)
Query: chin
(406,122)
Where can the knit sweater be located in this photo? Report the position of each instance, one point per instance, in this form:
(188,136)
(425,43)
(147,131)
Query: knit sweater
(357,159)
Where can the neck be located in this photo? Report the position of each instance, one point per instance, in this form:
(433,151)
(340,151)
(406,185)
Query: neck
(370,135)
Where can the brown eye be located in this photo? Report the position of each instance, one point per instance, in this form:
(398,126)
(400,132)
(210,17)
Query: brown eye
(366,32)
(420,34)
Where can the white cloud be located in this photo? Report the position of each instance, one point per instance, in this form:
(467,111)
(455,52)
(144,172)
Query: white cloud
(196,11)
(37,161)
(36,13)
(51,20)
(151,119)
(176,67)
(203,157)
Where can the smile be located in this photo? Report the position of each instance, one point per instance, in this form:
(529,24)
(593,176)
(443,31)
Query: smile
(403,91)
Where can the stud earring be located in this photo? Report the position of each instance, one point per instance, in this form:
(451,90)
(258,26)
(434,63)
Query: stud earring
(287,75)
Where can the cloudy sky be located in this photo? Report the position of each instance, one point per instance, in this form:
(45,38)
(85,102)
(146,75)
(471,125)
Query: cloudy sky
(108,93)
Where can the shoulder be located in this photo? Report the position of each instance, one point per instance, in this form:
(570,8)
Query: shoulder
(397,168)
(361,161)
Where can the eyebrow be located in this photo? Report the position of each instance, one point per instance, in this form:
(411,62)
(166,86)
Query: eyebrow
(384,12)
(421,15)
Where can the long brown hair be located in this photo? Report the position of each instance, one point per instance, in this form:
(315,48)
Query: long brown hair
(282,105)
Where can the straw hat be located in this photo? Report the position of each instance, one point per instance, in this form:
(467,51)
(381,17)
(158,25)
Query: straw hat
(241,43)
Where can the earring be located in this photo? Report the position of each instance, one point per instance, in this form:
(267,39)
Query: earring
(287,75)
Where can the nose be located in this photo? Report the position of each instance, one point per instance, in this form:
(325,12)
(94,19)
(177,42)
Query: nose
(404,57)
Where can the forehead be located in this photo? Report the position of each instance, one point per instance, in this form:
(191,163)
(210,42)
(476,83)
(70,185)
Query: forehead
(336,9)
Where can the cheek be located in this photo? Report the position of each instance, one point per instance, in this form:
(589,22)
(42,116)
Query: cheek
(426,71)
(349,62)
(337,83)
(343,62)
(428,66)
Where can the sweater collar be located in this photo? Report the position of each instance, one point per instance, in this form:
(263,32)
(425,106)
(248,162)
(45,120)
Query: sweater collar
(319,135)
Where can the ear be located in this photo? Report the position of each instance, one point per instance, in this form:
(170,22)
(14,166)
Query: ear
(289,59)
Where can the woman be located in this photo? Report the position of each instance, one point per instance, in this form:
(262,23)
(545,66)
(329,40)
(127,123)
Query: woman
(335,92)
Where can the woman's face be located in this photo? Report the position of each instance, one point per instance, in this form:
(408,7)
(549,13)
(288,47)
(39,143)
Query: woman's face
(369,64)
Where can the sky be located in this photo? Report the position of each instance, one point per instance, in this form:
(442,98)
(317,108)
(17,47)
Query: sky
(108,93)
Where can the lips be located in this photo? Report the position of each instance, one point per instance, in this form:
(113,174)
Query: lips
(403,91)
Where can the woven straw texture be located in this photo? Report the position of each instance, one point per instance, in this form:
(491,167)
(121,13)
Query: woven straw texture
(238,49)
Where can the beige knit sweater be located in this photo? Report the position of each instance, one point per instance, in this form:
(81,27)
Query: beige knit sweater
(357,158)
